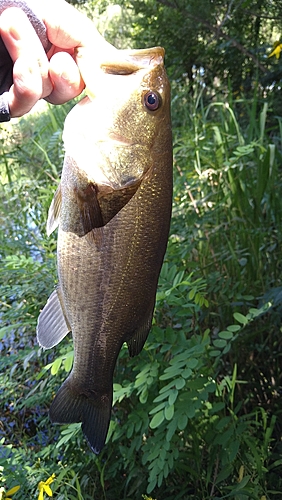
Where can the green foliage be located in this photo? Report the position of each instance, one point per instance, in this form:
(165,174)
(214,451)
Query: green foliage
(234,194)
(218,41)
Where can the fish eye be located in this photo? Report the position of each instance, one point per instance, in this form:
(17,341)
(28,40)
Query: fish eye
(152,100)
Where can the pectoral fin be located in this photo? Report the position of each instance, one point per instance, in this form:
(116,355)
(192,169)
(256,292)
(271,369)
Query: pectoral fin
(89,208)
(54,212)
(91,216)
(99,204)
(111,202)
(53,324)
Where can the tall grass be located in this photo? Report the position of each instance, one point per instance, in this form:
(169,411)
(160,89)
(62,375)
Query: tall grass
(231,201)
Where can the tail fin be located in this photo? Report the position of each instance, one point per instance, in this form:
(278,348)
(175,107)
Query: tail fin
(71,406)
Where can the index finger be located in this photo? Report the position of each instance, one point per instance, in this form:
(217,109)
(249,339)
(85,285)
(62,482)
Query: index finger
(68,28)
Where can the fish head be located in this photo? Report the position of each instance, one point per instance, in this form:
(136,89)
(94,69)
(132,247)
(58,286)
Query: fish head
(111,133)
(142,97)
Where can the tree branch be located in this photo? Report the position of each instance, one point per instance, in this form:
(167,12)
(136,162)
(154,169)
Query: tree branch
(218,31)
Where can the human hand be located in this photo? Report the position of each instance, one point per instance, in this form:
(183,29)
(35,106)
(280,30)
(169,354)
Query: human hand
(60,75)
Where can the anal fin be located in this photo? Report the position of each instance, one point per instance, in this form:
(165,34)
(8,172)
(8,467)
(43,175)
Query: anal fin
(53,324)
(137,341)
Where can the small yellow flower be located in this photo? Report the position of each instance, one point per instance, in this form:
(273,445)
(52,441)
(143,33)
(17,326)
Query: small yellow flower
(9,493)
(44,487)
(277,47)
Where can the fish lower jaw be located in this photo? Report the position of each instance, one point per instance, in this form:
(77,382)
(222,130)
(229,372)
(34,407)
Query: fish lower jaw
(121,140)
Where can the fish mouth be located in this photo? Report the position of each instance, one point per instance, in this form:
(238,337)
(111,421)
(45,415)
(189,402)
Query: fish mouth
(120,139)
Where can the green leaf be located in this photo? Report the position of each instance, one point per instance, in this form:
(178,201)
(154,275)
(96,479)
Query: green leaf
(183,356)
(154,453)
(233,328)
(224,438)
(171,428)
(240,318)
(219,343)
(56,366)
(179,383)
(217,407)
(68,362)
(167,387)
(226,349)
(182,421)
(157,408)
(192,363)
(190,411)
(186,373)
(223,474)
(242,483)
(144,395)
(172,396)
(227,335)
(197,383)
(157,420)
(151,485)
(214,353)
(169,412)
(170,373)
(162,397)
(233,450)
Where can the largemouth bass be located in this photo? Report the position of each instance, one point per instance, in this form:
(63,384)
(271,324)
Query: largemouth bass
(113,209)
